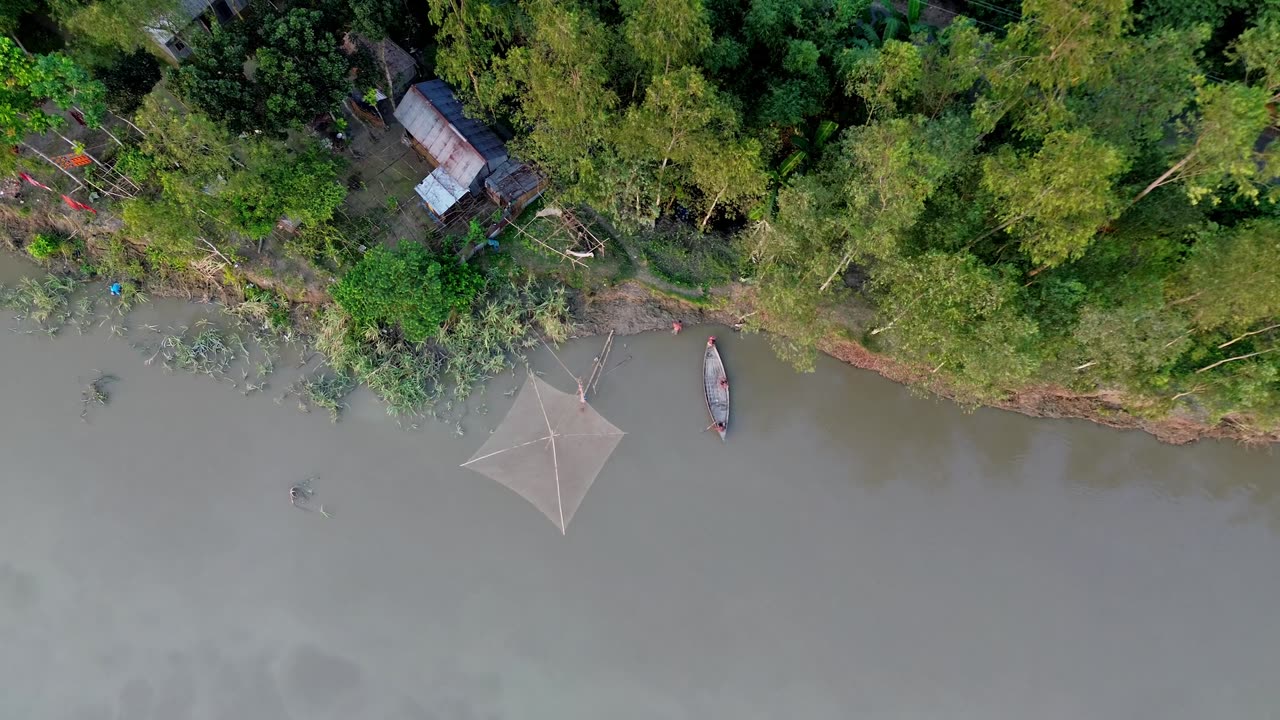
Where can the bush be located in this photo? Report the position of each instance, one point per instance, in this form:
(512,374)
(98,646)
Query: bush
(46,245)
(407,288)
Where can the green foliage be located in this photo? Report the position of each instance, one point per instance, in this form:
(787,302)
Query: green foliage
(1232,275)
(472,36)
(11,12)
(1055,201)
(46,245)
(477,345)
(407,289)
(33,80)
(665,35)
(120,24)
(279,182)
(301,72)
(213,79)
(949,311)
(268,306)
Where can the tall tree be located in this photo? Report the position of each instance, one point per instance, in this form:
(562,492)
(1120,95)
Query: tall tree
(472,36)
(681,113)
(1059,45)
(565,104)
(665,34)
(1220,149)
(1232,277)
(1055,201)
(214,81)
(949,311)
(301,71)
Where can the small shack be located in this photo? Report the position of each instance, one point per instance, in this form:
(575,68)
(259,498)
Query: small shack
(393,65)
(468,155)
(513,186)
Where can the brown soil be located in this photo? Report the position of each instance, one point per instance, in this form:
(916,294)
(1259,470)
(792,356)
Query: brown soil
(633,307)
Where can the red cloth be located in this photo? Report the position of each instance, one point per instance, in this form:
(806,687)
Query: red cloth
(33,181)
(77,205)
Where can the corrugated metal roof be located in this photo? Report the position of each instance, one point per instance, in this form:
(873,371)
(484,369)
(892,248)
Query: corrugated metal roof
(439,191)
(466,149)
(513,180)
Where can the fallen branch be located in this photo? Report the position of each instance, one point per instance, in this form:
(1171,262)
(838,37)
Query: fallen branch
(1255,332)
(1238,357)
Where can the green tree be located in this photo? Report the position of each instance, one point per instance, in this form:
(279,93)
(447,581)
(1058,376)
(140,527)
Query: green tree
(472,36)
(883,77)
(213,80)
(1055,201)
(33,80)
(1129,343)
(565,105)
(950,311)
(1220,142)
(729,175)
(406,289)
(301,71)
(188,154)
(1057,47)
(1219,151)
(1150,83)
(1233,276)
(281,183)
(665,35)
(886,171)
(682,114)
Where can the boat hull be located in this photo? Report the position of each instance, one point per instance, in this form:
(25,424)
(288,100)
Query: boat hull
(716,388)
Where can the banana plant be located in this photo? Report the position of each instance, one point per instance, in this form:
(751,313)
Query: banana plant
(885,23)
(806,148)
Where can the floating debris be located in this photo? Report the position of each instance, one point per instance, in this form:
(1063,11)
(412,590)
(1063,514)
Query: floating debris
(95,393)
(302,493)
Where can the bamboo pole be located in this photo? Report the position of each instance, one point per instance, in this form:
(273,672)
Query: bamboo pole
(51,162)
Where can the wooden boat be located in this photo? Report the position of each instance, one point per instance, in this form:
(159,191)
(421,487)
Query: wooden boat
(716,385)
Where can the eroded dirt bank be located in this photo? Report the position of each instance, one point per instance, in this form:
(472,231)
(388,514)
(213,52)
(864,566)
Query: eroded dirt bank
(632,307)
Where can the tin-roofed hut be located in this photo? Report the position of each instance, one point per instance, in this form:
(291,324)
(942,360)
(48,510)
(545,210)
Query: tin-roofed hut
(463,149)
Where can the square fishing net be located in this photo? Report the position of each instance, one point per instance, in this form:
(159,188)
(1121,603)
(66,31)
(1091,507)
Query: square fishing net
(549,449)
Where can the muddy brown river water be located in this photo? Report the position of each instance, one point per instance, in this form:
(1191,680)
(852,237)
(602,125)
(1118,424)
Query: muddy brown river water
(853,551)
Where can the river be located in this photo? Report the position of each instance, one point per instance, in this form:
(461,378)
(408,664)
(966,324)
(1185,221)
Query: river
(853,550)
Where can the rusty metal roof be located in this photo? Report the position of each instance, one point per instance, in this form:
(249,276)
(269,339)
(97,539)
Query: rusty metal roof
(465,148)
(513,180)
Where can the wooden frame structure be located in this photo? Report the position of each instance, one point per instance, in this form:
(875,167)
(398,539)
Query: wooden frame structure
(569,227)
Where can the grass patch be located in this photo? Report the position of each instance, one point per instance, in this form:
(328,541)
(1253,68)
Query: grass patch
(688,259)
(326,391)
(42,302)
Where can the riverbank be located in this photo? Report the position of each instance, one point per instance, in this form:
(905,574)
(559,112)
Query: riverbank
(634,307)
(643,303)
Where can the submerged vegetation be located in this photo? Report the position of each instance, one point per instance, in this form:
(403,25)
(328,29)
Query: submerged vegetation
(1072,193)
